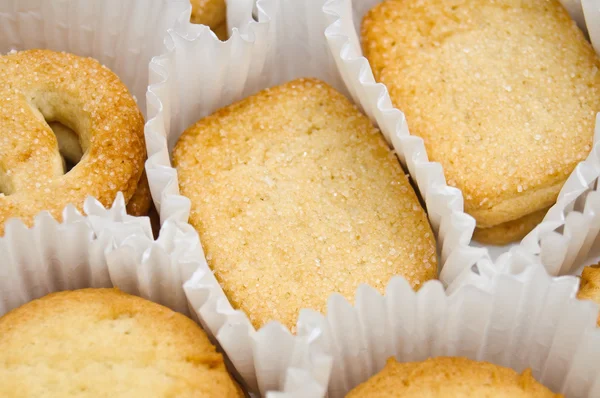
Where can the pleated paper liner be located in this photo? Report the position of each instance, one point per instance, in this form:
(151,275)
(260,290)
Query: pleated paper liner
(121,34)
(530,320)
(74,254)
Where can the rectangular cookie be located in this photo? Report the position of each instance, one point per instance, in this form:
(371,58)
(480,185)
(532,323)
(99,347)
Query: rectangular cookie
(504,94)
(295,195)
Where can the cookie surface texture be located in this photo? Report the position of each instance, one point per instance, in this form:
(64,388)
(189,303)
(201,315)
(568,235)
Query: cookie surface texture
(105,343)
(504,93)
(296,196)
(450,377)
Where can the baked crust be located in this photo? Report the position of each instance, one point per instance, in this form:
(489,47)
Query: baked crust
(85,97)
(589,289)
(504,94)
(102,342)
(296,196)
(450,377)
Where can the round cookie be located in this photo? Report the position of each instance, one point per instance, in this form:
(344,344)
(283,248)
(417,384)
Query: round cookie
(105,343)
(40,87)
(444,377)
(295,196)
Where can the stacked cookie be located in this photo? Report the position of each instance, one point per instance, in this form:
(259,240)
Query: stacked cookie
(504,95)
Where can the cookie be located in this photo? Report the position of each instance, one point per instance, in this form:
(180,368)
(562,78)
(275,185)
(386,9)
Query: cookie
(504,94)
(40,87)
(295,195)
(101,343)
(450,377)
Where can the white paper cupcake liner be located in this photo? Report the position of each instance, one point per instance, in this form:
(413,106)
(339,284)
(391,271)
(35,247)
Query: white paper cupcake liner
(54,256)
(526,321)
(590,9)
(106,248)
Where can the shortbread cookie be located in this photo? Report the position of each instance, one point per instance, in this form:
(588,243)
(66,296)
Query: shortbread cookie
(296,196)
(504,94)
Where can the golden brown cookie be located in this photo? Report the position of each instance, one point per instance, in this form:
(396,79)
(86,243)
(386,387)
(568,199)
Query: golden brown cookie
(105,343)
(504,94)
(445,377)
(589,289)
(40,87)
(212,13)
(296,196)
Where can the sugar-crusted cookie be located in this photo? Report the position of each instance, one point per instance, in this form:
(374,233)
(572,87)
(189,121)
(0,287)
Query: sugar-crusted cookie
(504,94)
(296,196)
(40,87)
